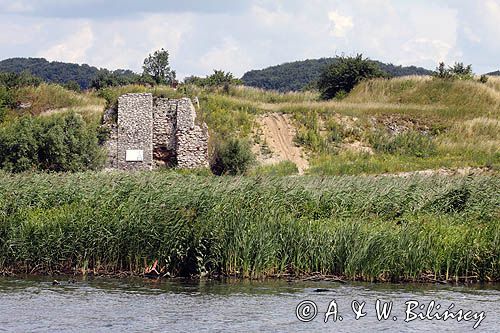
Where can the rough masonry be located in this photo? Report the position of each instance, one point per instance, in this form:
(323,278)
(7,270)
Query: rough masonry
(151,132)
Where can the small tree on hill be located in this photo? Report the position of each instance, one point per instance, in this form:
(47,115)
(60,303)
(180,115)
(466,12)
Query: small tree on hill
(218,79)
(340,77)
(457,71)
(157,66)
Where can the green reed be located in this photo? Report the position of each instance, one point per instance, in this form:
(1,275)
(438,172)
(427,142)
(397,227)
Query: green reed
(370,228)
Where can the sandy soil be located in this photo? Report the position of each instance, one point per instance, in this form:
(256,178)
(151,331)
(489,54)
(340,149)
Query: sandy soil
(276,133)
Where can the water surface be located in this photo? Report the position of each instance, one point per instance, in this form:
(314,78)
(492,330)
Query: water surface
(136,305)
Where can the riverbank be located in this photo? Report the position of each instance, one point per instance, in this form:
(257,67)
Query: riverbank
(356,228)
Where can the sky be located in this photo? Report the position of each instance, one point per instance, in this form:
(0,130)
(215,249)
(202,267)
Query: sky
(237,36)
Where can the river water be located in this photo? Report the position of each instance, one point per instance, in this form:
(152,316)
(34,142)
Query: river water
(135,305)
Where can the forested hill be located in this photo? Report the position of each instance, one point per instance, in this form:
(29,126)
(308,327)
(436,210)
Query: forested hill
(496,73)
(57,72)
(297,75)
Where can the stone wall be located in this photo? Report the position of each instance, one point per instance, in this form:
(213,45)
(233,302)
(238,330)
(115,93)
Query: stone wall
(192,140)
(164,130)
(164,125)
(135,131)
(112,147)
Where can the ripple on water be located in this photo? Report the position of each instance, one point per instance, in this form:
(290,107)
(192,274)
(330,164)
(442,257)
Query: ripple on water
(136,305)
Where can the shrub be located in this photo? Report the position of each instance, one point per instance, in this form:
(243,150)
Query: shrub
(340,77)
(6,98)
(57,143)
(19,145)
(218,79)
(231,157)
(14,80)
(409,143)
(457,71)
(483,79)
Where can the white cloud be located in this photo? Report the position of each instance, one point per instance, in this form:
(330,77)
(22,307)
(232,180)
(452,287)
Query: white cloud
(471,35)
(267,32)
(17,7)
(74,47)
(423,50)
(341,24)
(493,7)
(229,56)
(269,17)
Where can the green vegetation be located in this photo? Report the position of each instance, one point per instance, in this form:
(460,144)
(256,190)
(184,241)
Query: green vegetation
(61,142)
(273,222)
(338,79)
(59,72)
(458,71)
(381,126)
(409,143)
(281,169)
(218,79)
(156,66)
(385,229)
(301,75)
(231,157)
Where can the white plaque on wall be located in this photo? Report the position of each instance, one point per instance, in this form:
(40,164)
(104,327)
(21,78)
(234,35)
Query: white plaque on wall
(134,155)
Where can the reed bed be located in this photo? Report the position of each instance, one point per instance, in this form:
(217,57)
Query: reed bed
(365,228)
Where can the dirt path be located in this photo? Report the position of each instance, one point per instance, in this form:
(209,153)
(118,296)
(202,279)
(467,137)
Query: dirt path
(276,134)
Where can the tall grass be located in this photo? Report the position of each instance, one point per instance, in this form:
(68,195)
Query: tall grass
(111,94)
(361,228)
(46,97)
(270,96)
(464,98)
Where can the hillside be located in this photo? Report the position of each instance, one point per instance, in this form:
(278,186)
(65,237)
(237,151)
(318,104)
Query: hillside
(400,125)
(294,76)
(496,73)
(406,124)
(55,71)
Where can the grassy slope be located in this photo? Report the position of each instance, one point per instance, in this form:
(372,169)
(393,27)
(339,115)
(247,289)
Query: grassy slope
(462,117)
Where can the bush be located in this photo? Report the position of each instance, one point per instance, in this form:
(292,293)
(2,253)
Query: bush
(457,71)
(409,143)
(57,143)
(19,145)
(232,157)
(339,78)
(14,80)
(218,79)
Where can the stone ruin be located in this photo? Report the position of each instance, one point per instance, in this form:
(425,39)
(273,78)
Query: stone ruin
(148,132)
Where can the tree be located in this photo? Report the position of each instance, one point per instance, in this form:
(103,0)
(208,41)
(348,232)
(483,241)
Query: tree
(157,66)
(340,77)
(218,79)
(457,71)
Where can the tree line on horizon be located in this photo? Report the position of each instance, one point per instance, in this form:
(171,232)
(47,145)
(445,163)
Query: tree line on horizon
(293,76)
